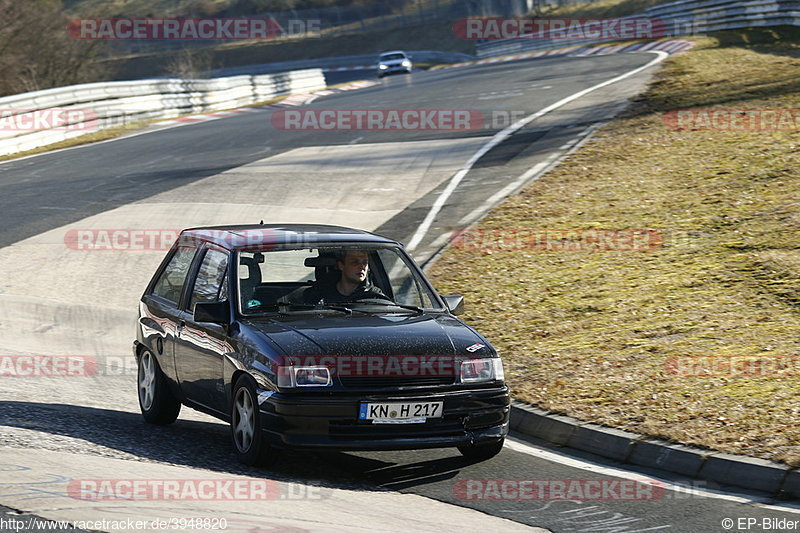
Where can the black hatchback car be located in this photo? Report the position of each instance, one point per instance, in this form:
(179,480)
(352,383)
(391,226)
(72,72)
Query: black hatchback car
(314,336)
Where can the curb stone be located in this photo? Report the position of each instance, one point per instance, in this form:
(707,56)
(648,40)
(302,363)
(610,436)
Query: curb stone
(612,443)
(627,447)
(792,482)
(676,458)
(741,471)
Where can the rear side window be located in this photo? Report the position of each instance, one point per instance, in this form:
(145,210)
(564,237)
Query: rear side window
(210,283)
(170,283)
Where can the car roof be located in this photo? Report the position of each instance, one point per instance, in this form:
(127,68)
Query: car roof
(247,236)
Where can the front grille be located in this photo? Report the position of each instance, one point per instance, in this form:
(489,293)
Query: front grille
(393,382)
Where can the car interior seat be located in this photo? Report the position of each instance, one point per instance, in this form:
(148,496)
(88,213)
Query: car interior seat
(325,271)
(249,284)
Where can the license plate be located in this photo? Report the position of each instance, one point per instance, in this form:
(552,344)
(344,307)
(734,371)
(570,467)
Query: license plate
(400,413)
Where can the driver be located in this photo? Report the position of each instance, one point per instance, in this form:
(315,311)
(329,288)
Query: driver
(351,285)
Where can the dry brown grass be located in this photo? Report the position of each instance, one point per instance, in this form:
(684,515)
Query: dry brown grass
(601,9)
(590,334)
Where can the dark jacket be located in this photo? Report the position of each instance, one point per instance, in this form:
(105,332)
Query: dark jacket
(329,294)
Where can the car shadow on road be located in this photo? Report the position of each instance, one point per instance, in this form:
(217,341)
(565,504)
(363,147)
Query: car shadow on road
(397,475)
(198,444)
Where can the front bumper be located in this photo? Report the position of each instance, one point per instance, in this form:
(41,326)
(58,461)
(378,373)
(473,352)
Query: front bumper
(330,420)
(394,70)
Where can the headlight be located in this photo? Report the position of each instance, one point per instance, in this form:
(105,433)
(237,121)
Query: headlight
(304,376)
(383,67)
(477,370)
(406,63)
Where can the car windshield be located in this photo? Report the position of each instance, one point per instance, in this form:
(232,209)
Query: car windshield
(365,278)
(390,57)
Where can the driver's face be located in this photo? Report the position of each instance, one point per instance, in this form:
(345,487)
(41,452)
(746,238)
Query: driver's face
(355,266)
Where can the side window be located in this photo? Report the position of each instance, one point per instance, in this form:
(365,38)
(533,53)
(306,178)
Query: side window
(170,284)
(405,286)
(210,282)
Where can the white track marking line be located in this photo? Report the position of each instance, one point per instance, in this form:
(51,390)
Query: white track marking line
(528,174)
(500,136)
(535,172)
(589,466)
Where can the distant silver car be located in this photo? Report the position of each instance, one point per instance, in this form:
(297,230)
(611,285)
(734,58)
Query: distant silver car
(394,62)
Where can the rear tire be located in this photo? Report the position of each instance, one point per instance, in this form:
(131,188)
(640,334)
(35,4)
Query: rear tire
(157,403)
(481,452)
(248,439)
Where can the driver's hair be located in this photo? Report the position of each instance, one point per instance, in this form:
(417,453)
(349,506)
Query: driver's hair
(341,253)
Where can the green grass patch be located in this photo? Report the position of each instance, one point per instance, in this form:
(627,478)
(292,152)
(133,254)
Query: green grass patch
(591,334)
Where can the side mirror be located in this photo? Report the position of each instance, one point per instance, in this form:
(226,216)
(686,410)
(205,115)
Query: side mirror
(454,303)
(216,312)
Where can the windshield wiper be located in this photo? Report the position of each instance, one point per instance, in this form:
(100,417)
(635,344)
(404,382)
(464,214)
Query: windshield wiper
(378,301)
(342,308)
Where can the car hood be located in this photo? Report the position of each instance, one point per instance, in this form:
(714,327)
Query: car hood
(392,62)
(373,335)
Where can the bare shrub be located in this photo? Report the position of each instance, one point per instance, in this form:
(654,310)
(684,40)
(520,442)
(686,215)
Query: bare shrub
(36,51)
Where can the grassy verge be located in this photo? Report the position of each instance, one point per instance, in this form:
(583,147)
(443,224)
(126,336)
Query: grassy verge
(96,136)
(592,334)
(601,9)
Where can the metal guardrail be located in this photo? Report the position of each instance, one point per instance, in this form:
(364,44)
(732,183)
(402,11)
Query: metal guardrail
(684,17)
(36,119)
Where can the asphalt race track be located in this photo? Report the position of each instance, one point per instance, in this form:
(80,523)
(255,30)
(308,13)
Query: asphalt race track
(60,300)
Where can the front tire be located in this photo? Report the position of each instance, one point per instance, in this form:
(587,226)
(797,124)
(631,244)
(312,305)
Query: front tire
(481,452)
(248,440)
(156,401)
